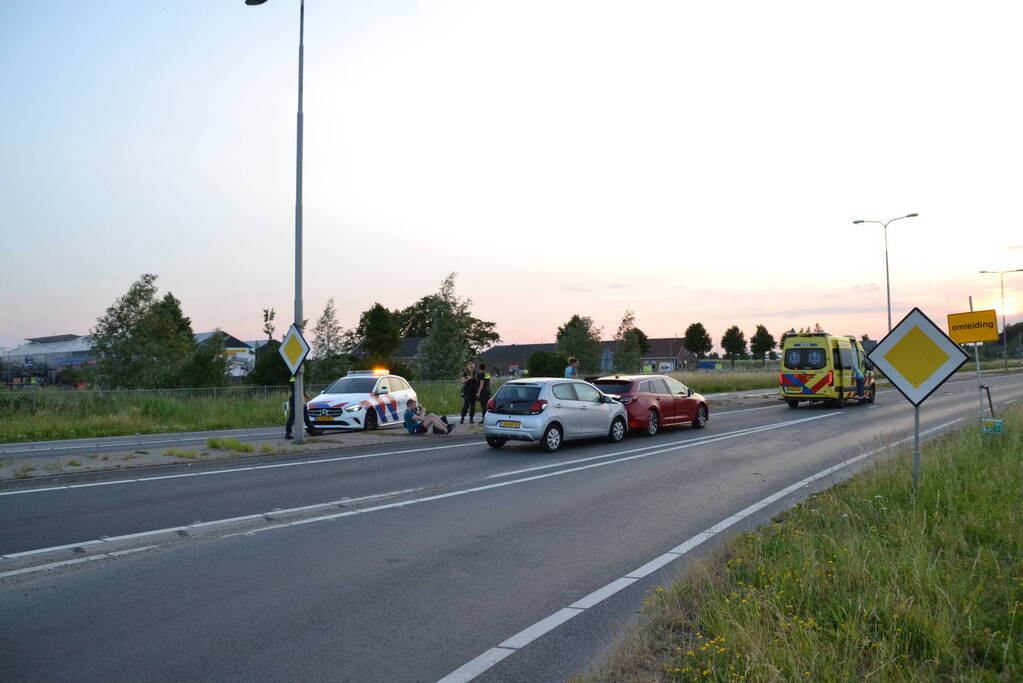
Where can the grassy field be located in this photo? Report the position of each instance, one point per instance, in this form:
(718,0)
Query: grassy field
(865,581)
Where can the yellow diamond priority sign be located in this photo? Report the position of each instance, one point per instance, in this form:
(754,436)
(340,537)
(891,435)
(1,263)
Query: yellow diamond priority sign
(917,357)
(294,349)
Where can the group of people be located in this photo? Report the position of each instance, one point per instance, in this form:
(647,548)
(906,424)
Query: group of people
(475,387)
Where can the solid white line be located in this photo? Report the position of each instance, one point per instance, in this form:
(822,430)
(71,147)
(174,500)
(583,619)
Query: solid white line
(528,635)
(472,669)
(232,470)
(531,633)
(602,594)
(696,441)
(77,560)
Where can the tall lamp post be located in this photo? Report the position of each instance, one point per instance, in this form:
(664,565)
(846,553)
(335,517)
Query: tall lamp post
(1005,330)
(299,391)
(887,281)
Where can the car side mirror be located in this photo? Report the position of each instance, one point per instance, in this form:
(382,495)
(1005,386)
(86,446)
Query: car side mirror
(689,392)
(383,390)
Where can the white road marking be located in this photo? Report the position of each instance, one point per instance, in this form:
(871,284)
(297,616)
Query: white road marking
(475,667)
(232,470)
(77,560)
(697,441)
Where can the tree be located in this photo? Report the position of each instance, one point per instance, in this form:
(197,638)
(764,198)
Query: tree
(444,351)
(734,343)
(207,366)
(168,344)
(627,344)
(115,338)
(268,323)
(547,364)
(329,360)
(382,337)
(476,334)
(696,340)
(270,369)
(580,338)
(761,342)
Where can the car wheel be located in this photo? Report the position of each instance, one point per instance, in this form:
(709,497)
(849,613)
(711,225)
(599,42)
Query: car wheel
(371,420)
(872,394)
(496,441)
(652,423)
(793,403)
(840,401)
(313,431)
(617,431)
(551,440)
(700,421)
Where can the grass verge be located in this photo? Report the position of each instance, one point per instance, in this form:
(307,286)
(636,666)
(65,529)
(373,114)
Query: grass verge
(231,444)
(863,581)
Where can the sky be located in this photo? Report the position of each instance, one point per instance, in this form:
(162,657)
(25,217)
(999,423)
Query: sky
(688,161)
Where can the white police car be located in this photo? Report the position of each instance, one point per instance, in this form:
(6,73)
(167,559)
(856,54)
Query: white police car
(362,399)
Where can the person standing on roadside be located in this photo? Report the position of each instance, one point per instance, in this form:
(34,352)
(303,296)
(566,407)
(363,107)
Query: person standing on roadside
(470,391)
(292,409)
(572,371)
(483,378)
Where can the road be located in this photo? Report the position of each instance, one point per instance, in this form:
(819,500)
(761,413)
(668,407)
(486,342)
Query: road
(406,563)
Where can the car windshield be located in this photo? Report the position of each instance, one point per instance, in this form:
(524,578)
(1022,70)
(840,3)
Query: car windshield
(614,386)
(806,359)
(352,385)
(515,399)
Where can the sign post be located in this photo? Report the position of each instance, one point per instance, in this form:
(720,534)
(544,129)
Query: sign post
(976,327)
(294,349)
(917,358)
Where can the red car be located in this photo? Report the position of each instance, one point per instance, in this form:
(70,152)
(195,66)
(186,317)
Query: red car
(655,401)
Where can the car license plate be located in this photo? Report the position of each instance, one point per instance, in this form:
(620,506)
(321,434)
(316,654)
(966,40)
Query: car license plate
(795,390)
(324,418)
(509,423)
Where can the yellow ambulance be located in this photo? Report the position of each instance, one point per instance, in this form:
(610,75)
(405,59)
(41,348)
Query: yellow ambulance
(819,366)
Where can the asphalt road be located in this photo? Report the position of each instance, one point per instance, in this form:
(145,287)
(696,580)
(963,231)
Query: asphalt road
(418,560)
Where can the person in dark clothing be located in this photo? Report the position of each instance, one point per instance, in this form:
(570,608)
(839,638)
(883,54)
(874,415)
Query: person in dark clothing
(291,412)
(470,392)
(483,378)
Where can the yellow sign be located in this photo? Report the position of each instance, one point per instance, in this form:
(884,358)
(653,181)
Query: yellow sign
(917,357)
(294,349)
(974,326)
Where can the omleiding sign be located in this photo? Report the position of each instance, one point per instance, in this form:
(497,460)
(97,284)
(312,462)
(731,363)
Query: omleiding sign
(973,326)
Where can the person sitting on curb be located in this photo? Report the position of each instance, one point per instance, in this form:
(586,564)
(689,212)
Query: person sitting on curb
(418,422)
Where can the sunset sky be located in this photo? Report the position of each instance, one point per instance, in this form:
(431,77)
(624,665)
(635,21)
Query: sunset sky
(689,161)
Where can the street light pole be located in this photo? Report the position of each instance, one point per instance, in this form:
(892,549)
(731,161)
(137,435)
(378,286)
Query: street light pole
(887,279)
(1005,330)
(299,404)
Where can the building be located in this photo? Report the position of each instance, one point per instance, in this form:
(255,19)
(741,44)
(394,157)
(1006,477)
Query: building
(51,354)
(666,354)
(241,355)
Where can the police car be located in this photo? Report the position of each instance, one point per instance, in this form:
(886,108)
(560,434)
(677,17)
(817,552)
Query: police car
(362,399)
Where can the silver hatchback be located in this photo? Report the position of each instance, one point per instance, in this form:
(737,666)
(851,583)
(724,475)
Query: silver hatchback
(551,411)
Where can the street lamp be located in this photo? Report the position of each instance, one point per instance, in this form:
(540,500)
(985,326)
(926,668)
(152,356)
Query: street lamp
(299,392)
(1005,330)
(887,281)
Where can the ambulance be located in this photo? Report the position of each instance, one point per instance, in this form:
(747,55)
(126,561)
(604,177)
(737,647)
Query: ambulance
(818,366)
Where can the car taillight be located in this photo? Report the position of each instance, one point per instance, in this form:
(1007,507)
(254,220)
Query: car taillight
(537,407)
(490,405)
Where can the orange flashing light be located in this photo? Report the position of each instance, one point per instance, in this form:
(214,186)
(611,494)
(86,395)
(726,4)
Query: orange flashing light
(381,371)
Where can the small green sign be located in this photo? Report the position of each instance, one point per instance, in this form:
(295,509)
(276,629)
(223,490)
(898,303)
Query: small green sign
(991,425)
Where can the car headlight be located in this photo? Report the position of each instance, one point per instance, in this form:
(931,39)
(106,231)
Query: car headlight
(354,409)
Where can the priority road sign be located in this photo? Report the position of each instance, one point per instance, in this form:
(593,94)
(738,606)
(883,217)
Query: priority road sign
(917,357)
(294,349)
(973,326)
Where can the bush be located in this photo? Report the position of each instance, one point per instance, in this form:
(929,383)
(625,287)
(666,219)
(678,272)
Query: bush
(547,364)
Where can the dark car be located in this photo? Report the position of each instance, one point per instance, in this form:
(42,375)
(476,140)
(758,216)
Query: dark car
(655,401)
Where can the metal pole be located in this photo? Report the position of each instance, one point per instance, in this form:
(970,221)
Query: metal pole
(1005,330)
(887,279)
(299,431)
(980,384)
(916,448)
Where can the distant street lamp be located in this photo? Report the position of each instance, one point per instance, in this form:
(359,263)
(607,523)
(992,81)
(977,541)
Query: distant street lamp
(887,281)
(299,391)
(1005,330)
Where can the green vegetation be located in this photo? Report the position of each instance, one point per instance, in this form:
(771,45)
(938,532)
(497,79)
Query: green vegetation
(231,444)
(192,454)
(580,338)
(43,414)
(713,382)
(866,580)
